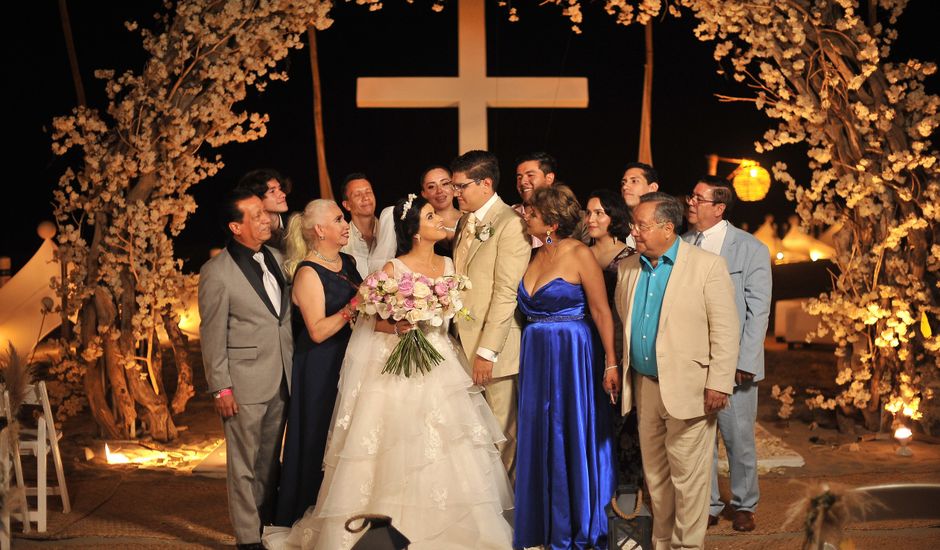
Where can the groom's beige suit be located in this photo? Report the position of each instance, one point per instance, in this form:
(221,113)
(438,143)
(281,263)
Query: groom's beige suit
(495,262)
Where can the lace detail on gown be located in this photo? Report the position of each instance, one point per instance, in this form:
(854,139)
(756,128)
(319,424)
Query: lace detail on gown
(421,450)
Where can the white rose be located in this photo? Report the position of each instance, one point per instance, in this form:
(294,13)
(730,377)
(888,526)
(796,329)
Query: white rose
(421,290)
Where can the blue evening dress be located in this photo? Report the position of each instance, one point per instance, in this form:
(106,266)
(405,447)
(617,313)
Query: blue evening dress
(565,470)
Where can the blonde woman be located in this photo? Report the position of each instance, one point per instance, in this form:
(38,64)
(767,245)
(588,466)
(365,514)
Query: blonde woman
(325,280)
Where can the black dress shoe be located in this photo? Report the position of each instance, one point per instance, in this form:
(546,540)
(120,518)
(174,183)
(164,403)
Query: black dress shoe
(250,546)
(743,521)
(712,520)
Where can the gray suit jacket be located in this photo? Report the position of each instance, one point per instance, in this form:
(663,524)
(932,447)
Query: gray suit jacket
(246,343)
(749,265)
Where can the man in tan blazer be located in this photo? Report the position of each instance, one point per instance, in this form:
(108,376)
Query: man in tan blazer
(492,249)
(680,351)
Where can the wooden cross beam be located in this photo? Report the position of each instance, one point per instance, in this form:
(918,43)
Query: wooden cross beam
(472,91)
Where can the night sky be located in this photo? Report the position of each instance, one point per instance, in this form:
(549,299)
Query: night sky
(393,145)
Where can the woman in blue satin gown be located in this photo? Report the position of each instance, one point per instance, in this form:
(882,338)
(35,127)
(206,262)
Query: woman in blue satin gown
(565,466)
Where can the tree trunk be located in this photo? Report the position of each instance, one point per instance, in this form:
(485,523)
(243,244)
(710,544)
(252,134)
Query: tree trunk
(326,189)
(157,414)
(184,370)
(94,389)
(156,367)
(645,153)
(114,362)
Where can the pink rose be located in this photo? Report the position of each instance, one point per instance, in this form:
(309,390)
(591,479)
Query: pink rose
(405,285)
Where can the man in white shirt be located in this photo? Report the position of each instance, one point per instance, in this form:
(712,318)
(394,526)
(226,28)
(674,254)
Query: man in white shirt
(638,179)
(749,265)
(370,242)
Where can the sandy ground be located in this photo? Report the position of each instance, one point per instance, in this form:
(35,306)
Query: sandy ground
(121,506)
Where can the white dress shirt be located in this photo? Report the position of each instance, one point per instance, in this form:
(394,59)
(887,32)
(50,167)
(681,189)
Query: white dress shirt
(371,259)
(714,237)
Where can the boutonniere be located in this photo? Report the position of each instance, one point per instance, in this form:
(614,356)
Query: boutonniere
(484,232)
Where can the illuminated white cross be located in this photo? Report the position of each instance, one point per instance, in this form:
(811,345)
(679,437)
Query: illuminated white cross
(471,91)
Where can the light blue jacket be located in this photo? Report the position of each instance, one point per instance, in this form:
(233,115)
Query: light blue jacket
(748,262)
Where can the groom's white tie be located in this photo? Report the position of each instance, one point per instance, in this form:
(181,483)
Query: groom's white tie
(463,248)
(270,283)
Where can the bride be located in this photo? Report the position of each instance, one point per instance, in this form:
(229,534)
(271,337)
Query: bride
(421,450)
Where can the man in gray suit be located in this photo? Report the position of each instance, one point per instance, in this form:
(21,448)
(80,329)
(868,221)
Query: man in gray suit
(246,349)
(749,264)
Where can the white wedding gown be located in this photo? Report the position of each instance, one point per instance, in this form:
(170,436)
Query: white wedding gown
(421,450)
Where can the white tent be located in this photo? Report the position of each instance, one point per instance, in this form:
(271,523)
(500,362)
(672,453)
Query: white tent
(24,319)
(796,246)
(800,247)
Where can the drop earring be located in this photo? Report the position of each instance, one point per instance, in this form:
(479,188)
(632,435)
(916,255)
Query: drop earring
(548,237)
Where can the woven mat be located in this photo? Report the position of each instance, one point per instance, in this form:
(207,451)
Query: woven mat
(772,453)
(130,503)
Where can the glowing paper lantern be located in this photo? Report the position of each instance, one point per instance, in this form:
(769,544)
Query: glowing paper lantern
(751,181)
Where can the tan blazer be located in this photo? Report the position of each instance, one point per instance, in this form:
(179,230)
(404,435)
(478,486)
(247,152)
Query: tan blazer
(495,267)
(697,340)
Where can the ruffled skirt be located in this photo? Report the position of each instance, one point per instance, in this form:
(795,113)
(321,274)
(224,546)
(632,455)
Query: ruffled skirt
(421,450)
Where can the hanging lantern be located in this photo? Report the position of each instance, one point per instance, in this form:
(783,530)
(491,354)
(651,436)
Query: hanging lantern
(751,181)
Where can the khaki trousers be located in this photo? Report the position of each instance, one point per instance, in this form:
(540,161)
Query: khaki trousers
(502,395)
(677,461)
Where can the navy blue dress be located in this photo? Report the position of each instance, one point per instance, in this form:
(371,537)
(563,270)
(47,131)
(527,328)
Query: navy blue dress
(565,473)
(314,380)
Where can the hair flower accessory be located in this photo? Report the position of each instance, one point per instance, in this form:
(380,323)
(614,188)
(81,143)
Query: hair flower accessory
(407,206)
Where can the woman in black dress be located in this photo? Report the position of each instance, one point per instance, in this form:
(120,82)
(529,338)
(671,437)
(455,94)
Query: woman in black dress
(325,280)
(608,220)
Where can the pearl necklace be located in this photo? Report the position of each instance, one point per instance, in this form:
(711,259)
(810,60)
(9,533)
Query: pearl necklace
(324,258)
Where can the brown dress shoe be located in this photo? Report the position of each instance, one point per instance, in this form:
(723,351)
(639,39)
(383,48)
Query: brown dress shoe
(712,520)
(743,521)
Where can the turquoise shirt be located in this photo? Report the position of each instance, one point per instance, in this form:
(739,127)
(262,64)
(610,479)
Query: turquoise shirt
(647,303)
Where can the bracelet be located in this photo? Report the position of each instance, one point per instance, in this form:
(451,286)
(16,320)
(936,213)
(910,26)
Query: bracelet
(395,326)
(347,316)
(222,392)
(611,367)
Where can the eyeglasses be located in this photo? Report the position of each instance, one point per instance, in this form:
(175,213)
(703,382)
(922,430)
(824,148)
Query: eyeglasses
(698,199)
(459,187)
(645,228)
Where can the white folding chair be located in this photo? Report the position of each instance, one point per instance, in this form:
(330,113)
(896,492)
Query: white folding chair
(5,464)
(9,453)
(39,442)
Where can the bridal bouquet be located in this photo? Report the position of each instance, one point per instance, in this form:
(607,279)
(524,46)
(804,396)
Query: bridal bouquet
(419,300)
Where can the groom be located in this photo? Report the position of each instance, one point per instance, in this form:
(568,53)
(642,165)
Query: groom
(492,249)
